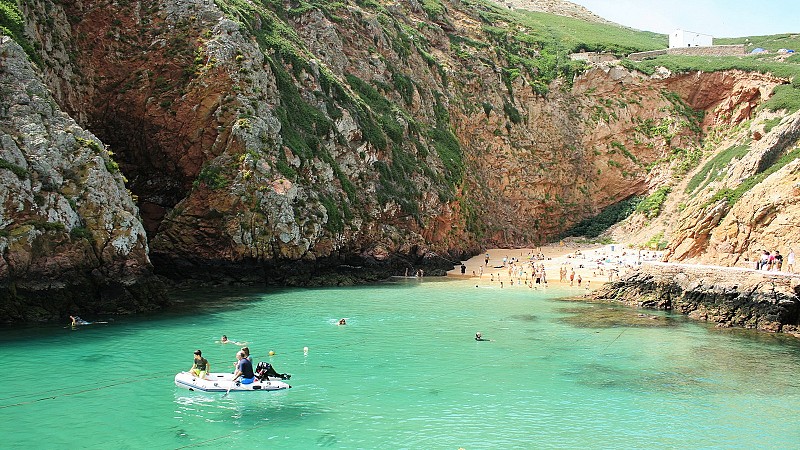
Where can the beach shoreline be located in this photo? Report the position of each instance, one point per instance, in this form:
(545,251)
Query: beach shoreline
(594,264)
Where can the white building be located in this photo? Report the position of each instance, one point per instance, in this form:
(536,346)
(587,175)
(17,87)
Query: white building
(682,38)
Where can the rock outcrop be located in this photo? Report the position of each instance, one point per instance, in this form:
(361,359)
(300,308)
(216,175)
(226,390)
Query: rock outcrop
(330,142)
(726,296)
(70,238)
(559,7)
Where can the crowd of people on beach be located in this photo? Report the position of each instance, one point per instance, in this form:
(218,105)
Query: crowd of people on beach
(773,261)
(576,269)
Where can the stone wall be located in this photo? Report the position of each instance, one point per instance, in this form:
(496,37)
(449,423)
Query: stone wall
(638,56)
(731,297)
(714,50)
(593,57)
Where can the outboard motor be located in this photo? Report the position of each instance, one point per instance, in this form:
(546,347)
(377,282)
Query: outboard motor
(265,370)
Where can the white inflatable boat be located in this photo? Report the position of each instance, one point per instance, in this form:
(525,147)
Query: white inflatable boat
(221,382)
(267,379)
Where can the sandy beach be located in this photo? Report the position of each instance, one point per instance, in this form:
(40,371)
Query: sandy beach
(593,264)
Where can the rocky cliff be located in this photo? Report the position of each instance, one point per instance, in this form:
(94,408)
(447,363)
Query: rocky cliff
(726,296)
(70,240)
(332,142)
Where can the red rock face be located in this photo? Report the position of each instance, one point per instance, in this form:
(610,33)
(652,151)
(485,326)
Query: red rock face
(245,159)
(71,242)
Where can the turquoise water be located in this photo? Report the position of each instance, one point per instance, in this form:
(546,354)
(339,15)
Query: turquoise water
(404,373)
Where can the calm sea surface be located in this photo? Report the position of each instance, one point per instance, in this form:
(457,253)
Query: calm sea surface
(404,373)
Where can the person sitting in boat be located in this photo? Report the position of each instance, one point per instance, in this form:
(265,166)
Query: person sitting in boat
(244,369)
(201,366)
(246,351)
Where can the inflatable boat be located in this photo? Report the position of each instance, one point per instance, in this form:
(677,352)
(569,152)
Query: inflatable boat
(266,380)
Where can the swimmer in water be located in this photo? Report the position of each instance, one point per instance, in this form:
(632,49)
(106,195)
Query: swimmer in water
(225,340)
(76,320)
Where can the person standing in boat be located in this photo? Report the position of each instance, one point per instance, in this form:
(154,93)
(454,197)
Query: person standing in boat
(244,369)
(201,366)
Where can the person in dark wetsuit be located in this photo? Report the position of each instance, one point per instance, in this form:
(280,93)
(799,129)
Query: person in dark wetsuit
(78,321)
(244,369)
(479,337)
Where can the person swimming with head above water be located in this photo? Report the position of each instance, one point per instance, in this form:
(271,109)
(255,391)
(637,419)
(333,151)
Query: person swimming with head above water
(342,321)
(224,340)
(479,337)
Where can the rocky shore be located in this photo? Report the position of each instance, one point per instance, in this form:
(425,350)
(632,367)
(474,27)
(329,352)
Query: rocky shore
(730,297)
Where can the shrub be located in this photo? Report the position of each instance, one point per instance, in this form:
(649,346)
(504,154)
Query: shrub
(594,226)
(657,242)
(212,177)
(20,172)
(770,124)
(651,206)
(512,113)
(712,167)
(80,233)
(13,24)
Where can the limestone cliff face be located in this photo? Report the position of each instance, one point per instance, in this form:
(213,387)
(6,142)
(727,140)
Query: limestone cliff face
(741,195)
(765,217)
(343,141)
(70,238)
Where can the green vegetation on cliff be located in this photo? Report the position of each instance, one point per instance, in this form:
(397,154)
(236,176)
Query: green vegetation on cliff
(651,206)
(20,172)
(540,43)
(712,169)
(786,97)
(732,195)
(13,24)
(610,215)
(561,34)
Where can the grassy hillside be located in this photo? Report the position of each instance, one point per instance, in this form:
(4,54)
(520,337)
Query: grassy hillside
(785,97)
(570,35)
(538,44)
(772,42)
